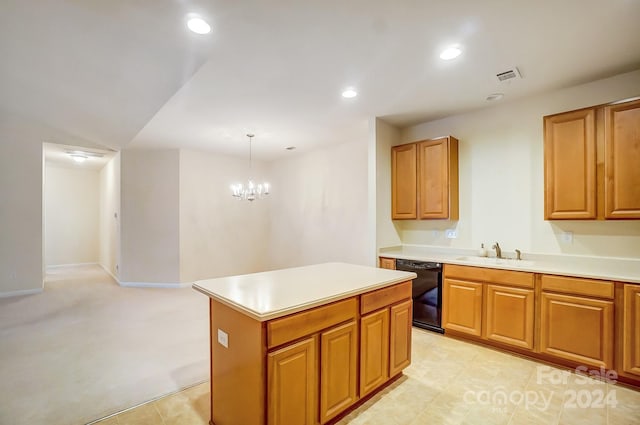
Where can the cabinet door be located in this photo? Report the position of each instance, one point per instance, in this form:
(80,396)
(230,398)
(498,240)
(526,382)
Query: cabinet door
(622,160)
(403,182)
(509,316)
(338,370)
(577,329)
(570,165)
(462,306)
(387,263)
(374,350)
(631,330)
(437,178)
(400,339)
(292,382)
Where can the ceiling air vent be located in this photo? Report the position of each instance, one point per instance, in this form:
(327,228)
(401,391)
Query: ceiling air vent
(509,74)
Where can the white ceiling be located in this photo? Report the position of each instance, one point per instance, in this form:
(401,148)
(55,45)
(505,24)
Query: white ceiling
(128,74)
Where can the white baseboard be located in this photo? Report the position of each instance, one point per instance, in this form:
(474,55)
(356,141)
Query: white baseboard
(20,292)
(59,266)
(154,285)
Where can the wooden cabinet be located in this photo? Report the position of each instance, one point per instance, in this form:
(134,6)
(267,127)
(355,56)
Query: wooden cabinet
(400,340)
(510,315)
(462,306)
(622,160)
(592,163)
(631,330)
(438,178)
(404,182)
(385,340)
(338,370)
(424,180)
(574,324)
(570,165)
(374,353)
(292,382)
(495,305)
(388,263)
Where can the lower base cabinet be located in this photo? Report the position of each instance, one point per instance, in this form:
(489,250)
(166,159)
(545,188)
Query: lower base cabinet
(292,382)
(374,355)
(509,316)
(338,370)
(400,341)
(631,330)
(462,306)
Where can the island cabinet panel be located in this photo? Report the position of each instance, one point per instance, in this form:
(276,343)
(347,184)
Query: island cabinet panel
(374,350)
(403,182)
(509,316)
(238,365)
(338,370)
(292,382)
(462,306)
(570,165)
(400,343)
(631,330)
(577,329)
(622,160)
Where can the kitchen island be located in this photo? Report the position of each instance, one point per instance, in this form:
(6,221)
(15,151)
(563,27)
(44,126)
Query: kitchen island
(304,345)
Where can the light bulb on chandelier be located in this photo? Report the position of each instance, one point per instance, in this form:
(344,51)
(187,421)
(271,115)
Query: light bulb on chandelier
(251,191)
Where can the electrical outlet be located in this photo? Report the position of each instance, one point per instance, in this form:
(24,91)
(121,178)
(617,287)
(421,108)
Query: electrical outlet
(451,233)
(566,237)
(223,338)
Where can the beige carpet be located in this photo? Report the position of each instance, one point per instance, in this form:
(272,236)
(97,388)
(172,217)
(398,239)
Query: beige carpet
(86,348)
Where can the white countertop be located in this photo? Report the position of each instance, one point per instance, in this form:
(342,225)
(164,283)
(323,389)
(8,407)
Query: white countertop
(608,268)
(268,295)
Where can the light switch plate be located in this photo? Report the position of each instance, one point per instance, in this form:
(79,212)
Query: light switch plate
(223,338)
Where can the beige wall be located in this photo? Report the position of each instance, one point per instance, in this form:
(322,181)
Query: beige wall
(387,231)
(501,178)
(21,174)
(319,207)
(150,216)
(110,215)
(219,235)
(72,199)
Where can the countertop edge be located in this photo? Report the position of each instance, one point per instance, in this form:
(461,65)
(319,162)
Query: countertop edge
(299,307)
(545,269)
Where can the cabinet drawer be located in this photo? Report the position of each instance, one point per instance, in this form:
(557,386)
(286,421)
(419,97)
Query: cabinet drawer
(387,263)
(481,274)
(578,286)
(385,297)
(289,328)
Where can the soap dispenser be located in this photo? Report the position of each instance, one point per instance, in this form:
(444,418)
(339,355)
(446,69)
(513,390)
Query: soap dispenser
(482,252)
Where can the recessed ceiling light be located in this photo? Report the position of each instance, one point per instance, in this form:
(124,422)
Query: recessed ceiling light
(495,96)
(450,53)
(349,93)
(199,26)
(290,148)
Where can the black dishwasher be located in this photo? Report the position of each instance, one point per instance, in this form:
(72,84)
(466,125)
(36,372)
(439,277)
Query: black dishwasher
(426,292)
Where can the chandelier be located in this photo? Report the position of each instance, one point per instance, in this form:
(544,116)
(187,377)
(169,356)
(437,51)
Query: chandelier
(251,191)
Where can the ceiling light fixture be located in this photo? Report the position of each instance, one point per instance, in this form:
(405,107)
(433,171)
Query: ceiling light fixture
(251,191)
(349,93)
(450,53)
(78,157)
(199,26)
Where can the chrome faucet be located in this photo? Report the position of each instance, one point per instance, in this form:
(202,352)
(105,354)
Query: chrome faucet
(496,246)
(518,254)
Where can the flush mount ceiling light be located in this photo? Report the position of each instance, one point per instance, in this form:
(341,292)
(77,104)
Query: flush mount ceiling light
(495,96)
(349,93)
(251,191)
(82,156)
(199,26)
(78,157)
(450,53)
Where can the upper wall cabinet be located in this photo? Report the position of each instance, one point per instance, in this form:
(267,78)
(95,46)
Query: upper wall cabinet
(424,180)
(622,160)
(592,163)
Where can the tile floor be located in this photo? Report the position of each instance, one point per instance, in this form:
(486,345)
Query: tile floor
(449,382)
